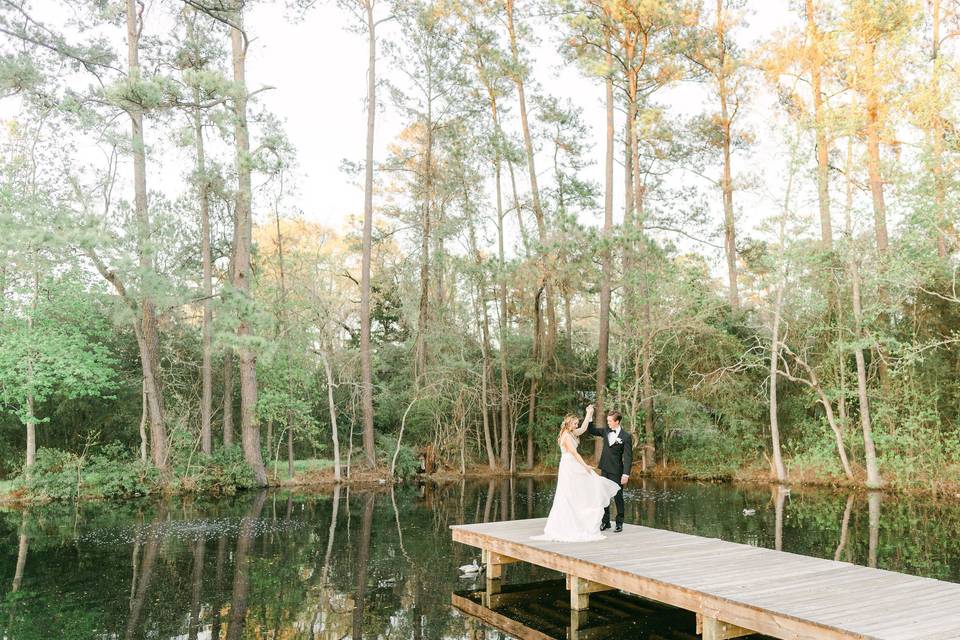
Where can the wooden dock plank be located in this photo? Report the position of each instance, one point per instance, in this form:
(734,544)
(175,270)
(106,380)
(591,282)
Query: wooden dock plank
(781,594)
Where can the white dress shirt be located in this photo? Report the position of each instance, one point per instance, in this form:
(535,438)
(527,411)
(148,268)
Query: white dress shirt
(612,436)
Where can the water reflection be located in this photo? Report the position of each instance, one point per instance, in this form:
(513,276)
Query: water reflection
(140,585)
(540,611)
(352,563)
(844,531)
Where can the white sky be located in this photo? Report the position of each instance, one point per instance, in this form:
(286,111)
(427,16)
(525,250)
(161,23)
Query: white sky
(319,70)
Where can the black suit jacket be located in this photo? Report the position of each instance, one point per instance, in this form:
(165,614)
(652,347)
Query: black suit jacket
(616,459)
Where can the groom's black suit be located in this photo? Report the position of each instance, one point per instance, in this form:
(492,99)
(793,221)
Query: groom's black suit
(615,461)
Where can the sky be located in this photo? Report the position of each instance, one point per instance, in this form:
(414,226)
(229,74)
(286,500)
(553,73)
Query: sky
(318,70)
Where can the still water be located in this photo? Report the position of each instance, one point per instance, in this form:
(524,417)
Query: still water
(352,563)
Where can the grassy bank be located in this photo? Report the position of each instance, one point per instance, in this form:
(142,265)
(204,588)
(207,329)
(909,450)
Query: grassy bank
(278,469)
(226,475)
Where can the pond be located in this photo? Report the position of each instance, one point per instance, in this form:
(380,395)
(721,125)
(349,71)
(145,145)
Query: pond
(380,564)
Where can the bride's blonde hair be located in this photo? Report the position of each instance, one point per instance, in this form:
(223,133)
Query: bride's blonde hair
(569,424)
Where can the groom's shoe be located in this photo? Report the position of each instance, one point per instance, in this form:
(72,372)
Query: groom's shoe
(618,529)
(604,526)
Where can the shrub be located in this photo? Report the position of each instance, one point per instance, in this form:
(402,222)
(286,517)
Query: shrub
(113,472)
(224,471)
(709,453)
(54,475)
(408,460)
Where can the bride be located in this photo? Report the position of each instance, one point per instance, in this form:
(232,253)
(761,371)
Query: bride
(581,494)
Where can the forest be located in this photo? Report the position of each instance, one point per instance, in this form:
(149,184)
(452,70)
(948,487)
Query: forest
(751,253)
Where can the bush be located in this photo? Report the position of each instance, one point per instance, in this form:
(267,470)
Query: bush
(113,472)
(408,460)
(710,453)
(54,475)
(224,471)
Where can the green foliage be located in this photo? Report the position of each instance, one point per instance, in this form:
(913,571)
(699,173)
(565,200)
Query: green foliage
(110,472)
(408,463)
(223,472)
(56,475)
(53,354)
(702,448)
(114,472)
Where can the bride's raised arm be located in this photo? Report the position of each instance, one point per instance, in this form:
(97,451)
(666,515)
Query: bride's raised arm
(587,419)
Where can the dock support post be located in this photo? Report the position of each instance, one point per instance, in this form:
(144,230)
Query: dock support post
(714,629)
(580,590)
(494,562)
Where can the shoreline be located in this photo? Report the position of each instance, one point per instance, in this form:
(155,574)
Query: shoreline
(379,478)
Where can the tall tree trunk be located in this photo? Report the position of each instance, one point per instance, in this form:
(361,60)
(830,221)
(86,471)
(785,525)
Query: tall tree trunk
(823,162)
(480,309)
(503,439)
(270,440)
(242,276)
(726,184)
(290,444)
(333,417)
(518,80)
(647,333)
(870,453)
(778,466)
(228,397)
(31,421)
(606,267)
(282,326)
(649,441)
(535,381)
(485,395)
(423,308)
(366,382)
(143,422)
(502,327)
(426,223)
(149,344)
(206,367)
(548,342)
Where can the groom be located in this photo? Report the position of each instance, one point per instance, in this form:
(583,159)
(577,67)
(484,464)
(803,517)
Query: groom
(615,460)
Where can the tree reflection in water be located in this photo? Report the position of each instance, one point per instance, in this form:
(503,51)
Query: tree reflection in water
(330,564)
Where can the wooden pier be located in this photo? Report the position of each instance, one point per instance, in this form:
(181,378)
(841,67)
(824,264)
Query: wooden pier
(734,589)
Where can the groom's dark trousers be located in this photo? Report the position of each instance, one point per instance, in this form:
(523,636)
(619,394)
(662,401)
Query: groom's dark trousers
(615,462)
(617,499)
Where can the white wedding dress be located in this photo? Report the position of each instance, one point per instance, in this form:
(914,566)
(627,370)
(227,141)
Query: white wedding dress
(578,503)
